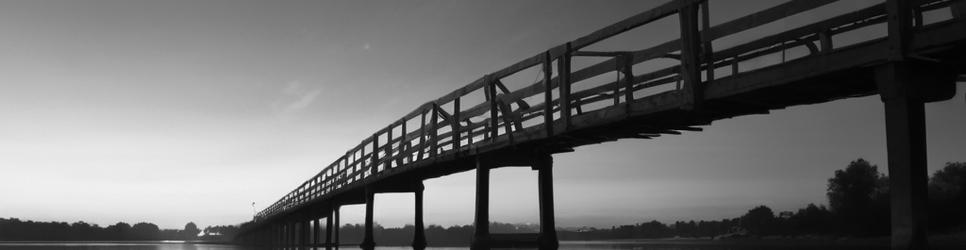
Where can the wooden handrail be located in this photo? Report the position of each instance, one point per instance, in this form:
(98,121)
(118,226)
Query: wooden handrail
(390,149)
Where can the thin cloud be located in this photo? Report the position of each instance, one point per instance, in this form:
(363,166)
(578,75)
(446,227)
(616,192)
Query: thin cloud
(295,97)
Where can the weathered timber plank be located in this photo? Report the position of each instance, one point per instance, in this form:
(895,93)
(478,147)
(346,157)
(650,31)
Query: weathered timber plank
(632,22)
(797,69)
(799,32)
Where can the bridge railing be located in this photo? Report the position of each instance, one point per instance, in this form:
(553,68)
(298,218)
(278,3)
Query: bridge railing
(487,113)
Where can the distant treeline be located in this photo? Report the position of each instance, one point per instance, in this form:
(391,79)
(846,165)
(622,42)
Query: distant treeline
(858,198)
(16,230)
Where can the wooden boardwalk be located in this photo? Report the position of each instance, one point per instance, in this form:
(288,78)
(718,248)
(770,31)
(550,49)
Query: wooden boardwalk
(485,124)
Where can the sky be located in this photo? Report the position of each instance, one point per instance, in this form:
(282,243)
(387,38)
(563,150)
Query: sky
(178,111)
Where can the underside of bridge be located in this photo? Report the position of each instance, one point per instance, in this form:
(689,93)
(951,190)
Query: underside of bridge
(912,65)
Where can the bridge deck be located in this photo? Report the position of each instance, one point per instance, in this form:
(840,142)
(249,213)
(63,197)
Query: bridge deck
(486,119)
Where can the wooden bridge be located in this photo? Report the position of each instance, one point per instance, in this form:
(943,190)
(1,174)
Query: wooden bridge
(917,58)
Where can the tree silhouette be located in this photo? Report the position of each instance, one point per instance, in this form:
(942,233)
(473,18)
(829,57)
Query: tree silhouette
(859,198)
(758,220)
(947,196)
(145,231)
(190,231)
(121,230)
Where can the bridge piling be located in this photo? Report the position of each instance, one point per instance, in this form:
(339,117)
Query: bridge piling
(279,235)
(315,230)
(335,220)
(306,235)
(368,242)
(481,219)
(906,147)
(548,231)
(547,237)
(419,231)
(328,230)
(288,234)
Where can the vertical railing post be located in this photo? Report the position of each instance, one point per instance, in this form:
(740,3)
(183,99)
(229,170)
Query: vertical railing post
(388,157)
(422,135)
(617,85)
(825,40)
(563,74)
(626,61)
(404,141)
(374,164)
(690,47)
(547,94)
(434,140)
(456,124)
(494,123)
(705,38)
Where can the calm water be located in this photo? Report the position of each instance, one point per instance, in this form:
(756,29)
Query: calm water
(650,245)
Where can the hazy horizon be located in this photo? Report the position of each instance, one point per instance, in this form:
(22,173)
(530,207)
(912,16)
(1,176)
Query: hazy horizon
(172,112)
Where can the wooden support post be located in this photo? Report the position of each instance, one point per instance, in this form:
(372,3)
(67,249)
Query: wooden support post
(906,144)
(690,60)
(328,230)
(548,231)
(336,225)
(900,28)
(547,94)
(288,235)
(316,233)
(292,234)
(563,66)
(419,231)
(283,234)
(297,234)
(305,233)
(481,221)
(367,241)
